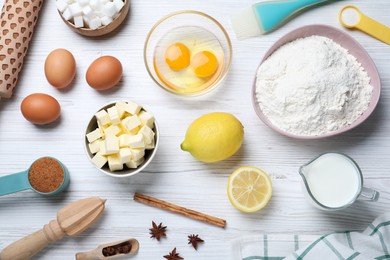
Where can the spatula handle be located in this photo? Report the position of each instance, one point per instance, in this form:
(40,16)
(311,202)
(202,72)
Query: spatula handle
(28,246)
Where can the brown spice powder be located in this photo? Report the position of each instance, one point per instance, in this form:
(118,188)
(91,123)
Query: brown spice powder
(46,175)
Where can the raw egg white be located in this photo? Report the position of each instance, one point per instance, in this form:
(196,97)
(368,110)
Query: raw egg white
(40,109)
(60,68)
(104,73)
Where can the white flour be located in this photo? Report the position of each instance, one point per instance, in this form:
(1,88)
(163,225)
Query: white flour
(312,86)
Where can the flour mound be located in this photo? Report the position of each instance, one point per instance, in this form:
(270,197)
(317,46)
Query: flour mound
(312,86)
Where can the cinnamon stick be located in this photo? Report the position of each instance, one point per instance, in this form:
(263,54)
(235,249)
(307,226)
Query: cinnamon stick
(147,200)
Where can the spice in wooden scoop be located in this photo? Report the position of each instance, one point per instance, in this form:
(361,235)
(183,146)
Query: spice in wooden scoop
(46,175)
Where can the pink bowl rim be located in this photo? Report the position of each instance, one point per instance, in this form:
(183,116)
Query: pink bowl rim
(370,68)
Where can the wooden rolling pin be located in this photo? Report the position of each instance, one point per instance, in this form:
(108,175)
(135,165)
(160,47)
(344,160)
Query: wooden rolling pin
(71,220)
(18,19)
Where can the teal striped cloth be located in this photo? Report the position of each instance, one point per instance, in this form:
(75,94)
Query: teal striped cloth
(373,243)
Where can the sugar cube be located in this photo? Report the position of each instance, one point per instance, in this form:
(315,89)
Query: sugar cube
(109,9)
(75,9)
(61,5)
(67,14)
(95,23)
(78,21)
(119,5)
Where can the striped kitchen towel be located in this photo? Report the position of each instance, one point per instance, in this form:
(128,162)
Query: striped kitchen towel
(373,243)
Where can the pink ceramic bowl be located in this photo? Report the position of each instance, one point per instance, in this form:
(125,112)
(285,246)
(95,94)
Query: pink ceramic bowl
(345,41)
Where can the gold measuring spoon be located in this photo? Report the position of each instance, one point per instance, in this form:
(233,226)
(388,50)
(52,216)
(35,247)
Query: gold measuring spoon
(111,250)
(352,18)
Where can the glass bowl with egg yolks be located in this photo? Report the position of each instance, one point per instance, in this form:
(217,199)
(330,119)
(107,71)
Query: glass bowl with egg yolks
(188,53)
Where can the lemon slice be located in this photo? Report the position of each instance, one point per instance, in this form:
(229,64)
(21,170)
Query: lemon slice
(249,189)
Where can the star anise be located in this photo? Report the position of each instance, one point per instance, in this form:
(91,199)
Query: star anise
(194,240)
(173,255)
(157,231)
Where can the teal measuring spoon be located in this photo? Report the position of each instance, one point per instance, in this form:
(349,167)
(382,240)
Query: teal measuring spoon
(19,181)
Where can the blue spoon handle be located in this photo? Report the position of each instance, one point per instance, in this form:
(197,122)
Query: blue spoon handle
(14,182)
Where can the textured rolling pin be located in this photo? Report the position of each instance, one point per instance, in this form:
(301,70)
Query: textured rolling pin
(18,19)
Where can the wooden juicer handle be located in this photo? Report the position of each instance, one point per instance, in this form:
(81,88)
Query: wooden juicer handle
(71,220)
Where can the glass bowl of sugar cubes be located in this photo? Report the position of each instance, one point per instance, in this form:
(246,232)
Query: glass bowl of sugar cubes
(93,17)
(121,138)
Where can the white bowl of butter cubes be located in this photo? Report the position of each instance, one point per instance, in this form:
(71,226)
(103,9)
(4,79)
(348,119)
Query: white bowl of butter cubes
(93,17)
(121,138)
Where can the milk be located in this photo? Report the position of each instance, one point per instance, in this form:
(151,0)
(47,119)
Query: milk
(334,180)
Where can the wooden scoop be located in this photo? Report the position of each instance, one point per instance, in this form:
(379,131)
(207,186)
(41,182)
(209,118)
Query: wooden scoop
(111,250)
(71,220)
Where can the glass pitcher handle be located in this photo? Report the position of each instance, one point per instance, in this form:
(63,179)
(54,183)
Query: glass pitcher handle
(369,194)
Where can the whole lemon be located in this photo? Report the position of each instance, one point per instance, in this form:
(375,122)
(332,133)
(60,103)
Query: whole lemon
(214,137)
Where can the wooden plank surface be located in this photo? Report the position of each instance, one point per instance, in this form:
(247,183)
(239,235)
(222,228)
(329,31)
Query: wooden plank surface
(173,175)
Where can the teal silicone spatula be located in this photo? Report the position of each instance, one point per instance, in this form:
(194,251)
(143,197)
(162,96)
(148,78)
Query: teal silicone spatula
(264,17)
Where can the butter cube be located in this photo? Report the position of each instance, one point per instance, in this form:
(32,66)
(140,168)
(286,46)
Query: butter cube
(94,147)
(121,107)
(114,163)
(146,119)
(112,130)
(147,133)
(131,122)
(99,160)
(134,164)
(133,108)
(137,154)
(125,155)
(111,144)
(136,141)
(102,148)
(102,117)
(114,115)
(150,146)
(94,135)
(124,140)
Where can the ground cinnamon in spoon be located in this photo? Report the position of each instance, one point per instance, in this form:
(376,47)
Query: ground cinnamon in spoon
(46,175)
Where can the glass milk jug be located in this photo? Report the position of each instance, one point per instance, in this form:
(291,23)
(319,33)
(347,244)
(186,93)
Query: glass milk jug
(334,181)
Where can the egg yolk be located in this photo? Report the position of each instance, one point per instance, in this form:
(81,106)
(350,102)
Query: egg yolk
(177,56)
(204,64)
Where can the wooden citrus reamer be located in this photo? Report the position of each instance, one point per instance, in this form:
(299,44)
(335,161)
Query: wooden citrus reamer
(71,221)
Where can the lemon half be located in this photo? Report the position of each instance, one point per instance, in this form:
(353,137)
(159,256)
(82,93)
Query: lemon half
(249,189)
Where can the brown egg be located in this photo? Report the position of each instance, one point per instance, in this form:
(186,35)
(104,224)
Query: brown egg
(60,68)
(40,108)
(104,73)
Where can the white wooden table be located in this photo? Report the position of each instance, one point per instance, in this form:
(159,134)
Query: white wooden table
(174,175)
